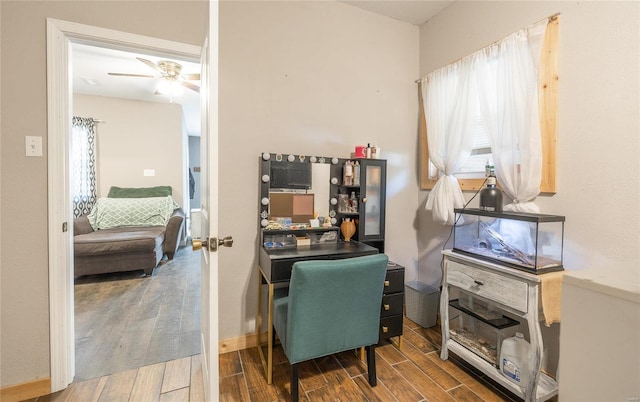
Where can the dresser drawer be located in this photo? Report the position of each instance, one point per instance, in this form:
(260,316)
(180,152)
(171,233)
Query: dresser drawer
(392,304)
(394,281)
(499,288)
(390,326)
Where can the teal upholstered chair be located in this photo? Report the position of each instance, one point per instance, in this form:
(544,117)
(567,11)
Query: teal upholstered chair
(331,306)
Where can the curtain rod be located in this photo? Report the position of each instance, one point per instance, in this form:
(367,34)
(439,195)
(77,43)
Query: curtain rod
(550,19)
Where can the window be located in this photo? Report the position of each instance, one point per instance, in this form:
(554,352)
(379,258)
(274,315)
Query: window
(471,175)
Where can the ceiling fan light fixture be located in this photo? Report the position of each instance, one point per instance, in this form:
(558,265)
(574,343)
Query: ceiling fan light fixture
(170,88)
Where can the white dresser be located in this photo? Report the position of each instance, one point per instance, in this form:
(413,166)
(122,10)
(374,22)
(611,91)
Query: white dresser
(515,292)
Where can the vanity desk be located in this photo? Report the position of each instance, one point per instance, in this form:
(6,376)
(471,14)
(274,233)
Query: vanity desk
(294,191)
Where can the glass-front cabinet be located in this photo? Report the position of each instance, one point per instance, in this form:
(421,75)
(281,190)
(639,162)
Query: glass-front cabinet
(358,193)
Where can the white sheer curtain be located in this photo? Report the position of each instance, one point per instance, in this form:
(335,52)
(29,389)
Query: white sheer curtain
(449,98)
(508,97)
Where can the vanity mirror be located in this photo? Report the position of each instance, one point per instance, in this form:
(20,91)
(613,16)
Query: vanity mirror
(294,186)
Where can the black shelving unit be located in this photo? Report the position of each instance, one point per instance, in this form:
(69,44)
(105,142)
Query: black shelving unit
(371,200)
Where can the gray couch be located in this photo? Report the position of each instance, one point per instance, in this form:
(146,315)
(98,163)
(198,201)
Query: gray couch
(126,248)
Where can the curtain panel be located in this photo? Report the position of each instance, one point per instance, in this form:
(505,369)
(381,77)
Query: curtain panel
(508,74)
(499,83)
(83,165)
(449,97)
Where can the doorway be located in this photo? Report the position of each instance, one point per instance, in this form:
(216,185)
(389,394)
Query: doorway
(124,321)
(60,216)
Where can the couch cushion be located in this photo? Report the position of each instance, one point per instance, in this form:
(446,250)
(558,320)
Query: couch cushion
(109,213)
(118,240)
(142,192)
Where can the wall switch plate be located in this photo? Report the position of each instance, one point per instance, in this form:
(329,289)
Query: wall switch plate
(33,145)
(149,172)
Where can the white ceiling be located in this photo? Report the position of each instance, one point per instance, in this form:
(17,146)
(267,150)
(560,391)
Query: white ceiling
(93,63)
(415,12)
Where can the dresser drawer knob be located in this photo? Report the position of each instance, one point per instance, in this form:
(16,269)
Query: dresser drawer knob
(385,330)
(479,283)
(386,283)
(387,307)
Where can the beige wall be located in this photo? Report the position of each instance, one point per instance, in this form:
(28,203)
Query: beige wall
(599,122)
(24,298)
(311,78)
(136,136)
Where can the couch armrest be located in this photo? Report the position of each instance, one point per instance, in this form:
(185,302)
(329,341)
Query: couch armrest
(81,225)
(173,233)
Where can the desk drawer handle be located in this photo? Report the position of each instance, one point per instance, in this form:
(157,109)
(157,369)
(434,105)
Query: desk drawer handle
(479,283)
(386,283)
(385,330)
(387,307)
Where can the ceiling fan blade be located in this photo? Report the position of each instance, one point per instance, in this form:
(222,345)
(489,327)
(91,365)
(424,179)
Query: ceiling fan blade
(191,86)
(191,77)
(151,64)
(131,75)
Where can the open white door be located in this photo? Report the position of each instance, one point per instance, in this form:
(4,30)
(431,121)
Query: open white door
(209,208)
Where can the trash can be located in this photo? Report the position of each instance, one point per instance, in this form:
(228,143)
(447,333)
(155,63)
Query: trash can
(422,303)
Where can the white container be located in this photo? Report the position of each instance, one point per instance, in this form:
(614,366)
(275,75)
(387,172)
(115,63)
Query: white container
(514,359)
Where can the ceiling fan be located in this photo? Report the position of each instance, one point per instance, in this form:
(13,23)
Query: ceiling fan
(169,70)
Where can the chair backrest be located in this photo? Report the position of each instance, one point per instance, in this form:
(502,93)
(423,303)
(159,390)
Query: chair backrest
(334,305)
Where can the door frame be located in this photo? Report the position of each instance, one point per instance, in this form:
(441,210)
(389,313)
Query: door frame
(60,36)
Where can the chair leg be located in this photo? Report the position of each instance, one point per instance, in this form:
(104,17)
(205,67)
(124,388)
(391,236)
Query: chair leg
(294,382)
(371,365)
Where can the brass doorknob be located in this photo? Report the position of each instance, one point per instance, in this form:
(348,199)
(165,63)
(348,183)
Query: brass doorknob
(226,241)
(211,243)
(196,244)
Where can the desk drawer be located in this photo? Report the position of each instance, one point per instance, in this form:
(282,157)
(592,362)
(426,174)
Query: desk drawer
(392,304)
(394,281)
(390,326)
(508,291)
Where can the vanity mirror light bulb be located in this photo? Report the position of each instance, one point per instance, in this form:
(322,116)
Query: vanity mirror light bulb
(265,201)
(264,222)
(291,158)
(334,221)
(265,178)
(334,201)
(313,159)
(266,156)
(334,161)
(334,180)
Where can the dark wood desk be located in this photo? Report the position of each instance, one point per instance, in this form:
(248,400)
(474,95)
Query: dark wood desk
(275,268)
(276,264)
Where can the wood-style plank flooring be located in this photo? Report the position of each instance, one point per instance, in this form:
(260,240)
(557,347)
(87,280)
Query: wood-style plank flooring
(175,380)
(416,373)
(124,321)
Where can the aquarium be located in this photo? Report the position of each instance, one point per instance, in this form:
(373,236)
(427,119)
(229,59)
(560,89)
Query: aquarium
(526,241)
(482,336)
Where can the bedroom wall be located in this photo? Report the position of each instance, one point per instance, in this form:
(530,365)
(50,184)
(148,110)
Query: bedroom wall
(24,290)
(311,78)
(597,163)
(136,136)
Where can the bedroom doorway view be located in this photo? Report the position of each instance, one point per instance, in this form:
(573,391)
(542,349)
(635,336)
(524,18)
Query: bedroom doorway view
(145,135)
